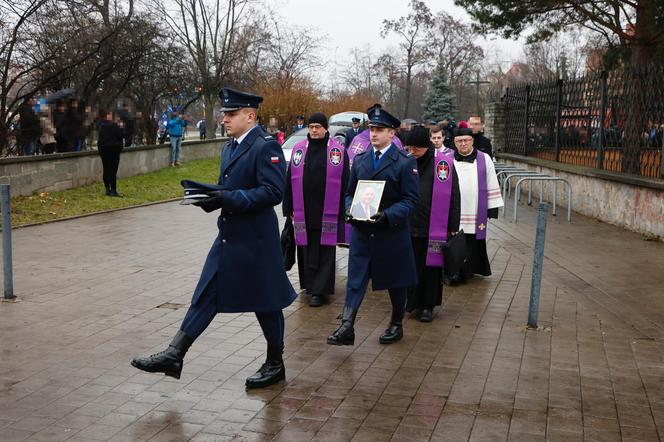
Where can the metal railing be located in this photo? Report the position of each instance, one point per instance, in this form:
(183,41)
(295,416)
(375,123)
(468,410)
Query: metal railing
(607,120)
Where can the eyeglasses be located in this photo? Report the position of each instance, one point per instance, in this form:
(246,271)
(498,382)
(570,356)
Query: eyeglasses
(462,141)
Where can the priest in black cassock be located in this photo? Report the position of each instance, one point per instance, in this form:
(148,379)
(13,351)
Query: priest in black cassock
(429,290)
(313,157)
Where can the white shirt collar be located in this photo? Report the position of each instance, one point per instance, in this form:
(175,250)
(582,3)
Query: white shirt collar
(244,135)
(382,151)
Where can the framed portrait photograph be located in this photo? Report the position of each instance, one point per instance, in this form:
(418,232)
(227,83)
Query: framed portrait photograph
(366,199)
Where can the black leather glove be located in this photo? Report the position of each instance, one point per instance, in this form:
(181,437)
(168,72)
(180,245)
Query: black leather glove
(380,218)
(349,218)
(210,204)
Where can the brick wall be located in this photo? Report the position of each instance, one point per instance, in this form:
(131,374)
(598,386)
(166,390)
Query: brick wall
(494,125)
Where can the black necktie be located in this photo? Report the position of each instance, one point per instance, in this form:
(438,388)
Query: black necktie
(233,146)
(378,155)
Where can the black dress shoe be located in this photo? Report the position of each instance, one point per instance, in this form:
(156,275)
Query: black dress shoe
(115,193)
(270,373)
(345,334)
(393,334)
(169,361)
(426,315)
(315,301)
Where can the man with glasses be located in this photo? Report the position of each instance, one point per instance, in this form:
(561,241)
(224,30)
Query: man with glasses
(315,185)
(480,199)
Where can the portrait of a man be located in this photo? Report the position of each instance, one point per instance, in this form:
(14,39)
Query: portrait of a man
(366,199)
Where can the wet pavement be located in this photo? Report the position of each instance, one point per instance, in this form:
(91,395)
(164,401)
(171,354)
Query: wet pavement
(96,291)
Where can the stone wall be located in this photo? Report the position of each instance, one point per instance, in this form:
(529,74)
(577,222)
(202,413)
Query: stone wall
(631,202)
(67,170)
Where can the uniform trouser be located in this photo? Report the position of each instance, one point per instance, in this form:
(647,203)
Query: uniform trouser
(355,295)
(201,314)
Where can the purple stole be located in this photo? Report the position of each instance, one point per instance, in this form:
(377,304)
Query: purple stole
(441,199)
(482,197)
(362,142)
(334,171)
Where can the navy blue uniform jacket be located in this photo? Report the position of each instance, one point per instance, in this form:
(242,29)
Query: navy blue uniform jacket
(386,252)
(350,134)
(246,256)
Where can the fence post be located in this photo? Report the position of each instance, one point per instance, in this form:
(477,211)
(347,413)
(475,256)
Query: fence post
(525,125)
(602,117)
(538,259)
(506,119)
(559,103)
(7,242)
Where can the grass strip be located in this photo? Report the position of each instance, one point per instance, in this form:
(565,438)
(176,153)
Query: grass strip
(152,187)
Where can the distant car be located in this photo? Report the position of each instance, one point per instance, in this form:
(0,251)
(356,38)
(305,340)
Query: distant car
(346,118)
(338,132)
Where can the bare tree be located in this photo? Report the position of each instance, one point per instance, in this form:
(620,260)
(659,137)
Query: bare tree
(564,56)
(150,91)
(292,54)
(358,74)
(390,79)
(34,57)
(207,30)
(456,49)
(414,31)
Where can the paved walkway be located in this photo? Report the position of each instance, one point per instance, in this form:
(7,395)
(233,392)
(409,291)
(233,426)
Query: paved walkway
(98,290)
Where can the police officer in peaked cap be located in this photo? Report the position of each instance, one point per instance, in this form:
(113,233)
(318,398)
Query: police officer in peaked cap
(244,270)
(380,249)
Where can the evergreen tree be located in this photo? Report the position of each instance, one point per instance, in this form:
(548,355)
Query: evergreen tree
(439,102)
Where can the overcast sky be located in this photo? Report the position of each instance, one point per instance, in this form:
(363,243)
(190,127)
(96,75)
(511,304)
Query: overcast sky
(356,23)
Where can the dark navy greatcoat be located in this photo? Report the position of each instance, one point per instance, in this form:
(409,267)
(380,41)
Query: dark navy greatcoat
(246,256)
(386,252)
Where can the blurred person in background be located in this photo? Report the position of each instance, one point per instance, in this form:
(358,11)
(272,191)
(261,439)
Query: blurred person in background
(47,138)
(29,129)
(175,128)
(110,132)
(129,122)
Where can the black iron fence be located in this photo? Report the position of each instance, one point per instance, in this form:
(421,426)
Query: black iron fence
(609,120)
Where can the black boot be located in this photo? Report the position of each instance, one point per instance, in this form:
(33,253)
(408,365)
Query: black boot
(108,190)
(315,300)
(168,361)
(271,372)
(344,335)
(394,331)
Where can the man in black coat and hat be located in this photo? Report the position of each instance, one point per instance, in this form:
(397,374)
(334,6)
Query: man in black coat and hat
(317,177)
(428,292)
